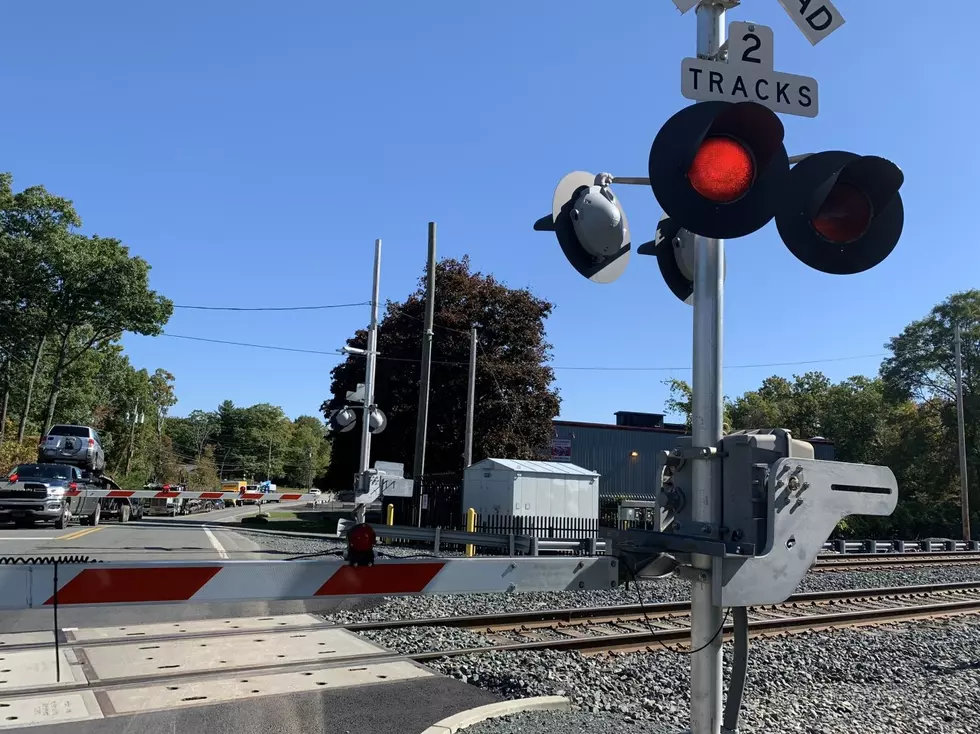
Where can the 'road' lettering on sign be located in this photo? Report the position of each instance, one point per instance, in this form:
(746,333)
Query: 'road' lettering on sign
(712,80)
(817,19)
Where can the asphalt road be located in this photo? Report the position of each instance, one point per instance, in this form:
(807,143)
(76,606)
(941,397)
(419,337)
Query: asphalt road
(293,705)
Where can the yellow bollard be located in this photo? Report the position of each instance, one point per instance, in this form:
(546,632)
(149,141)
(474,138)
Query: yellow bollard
(470,528)
(390,517)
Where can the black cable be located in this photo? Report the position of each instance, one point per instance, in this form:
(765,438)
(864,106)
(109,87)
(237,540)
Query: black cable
(646,618)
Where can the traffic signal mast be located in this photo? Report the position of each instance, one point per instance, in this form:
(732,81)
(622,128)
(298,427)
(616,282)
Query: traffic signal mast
(742,515)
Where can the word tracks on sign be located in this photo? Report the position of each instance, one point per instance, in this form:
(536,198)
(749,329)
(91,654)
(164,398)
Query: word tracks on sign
(749,76)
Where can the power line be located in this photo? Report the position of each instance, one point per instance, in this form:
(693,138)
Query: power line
(588,368)
(253,346)
(276,308)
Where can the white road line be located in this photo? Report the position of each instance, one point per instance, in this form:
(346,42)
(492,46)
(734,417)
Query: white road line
(222,553)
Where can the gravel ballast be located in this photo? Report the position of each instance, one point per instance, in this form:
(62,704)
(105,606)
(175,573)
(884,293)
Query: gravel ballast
(909,677)
(654,592)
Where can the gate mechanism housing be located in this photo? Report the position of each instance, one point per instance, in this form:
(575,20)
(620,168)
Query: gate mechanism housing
(778,507)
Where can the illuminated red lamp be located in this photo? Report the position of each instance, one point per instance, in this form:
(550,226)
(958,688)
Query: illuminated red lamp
(360,545)
(722,170)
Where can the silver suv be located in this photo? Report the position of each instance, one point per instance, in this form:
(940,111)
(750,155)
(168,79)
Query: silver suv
(76,445)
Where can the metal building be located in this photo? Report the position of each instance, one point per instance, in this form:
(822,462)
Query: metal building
(624,454)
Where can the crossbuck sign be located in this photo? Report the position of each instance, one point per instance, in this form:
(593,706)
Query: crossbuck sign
(748,75)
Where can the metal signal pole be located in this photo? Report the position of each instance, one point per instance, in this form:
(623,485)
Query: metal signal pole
(961,438)
(422,421)
(470,402)
(706,431)
(370,359)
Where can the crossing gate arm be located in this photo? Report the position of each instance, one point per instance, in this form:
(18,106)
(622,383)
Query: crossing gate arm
(24,586)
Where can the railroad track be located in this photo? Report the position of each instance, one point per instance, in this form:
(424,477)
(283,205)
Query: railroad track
(905,560)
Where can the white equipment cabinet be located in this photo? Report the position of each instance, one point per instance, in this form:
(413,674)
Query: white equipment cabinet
(531,489)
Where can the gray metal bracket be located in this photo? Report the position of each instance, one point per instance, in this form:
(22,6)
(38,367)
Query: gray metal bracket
(811,498)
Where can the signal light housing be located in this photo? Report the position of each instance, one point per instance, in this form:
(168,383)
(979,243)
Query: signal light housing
(718,168)
(343,420)
(842,213)
(360,545)
(674,249)
(590,225)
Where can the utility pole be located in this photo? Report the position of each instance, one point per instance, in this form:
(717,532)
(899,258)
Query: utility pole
(706,404)
(470,402)
(360,511)
(132,435)
(309,456)
(268,466)
(961,438)
(422,421)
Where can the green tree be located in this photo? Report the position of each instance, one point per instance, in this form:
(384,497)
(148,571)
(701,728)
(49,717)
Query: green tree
(205,473)
(308,453)
(33,224)
(100,293)
(921,366)
(515,400)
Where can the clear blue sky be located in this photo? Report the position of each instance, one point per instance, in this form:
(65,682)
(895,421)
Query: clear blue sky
(253,151)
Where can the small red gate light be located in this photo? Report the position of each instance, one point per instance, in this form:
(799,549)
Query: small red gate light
(12,478)
(844,216)
(722,170)
(361,538)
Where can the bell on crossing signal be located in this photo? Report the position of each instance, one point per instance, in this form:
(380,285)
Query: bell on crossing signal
(842,213)
(674,249)
(343,420)
(360,545)
(719,168)
(590,225)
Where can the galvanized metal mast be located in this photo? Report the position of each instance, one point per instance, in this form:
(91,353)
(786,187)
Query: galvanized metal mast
(370,359)
(706,421)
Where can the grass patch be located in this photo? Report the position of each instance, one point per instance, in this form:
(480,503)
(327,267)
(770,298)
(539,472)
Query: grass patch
(296,522)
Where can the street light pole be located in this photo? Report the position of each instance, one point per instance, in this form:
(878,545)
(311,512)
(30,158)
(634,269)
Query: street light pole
(706,431)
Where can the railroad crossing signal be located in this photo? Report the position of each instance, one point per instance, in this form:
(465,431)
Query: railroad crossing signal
(842,213)
(590,225)
(718,168)
(674,249)
(343,420)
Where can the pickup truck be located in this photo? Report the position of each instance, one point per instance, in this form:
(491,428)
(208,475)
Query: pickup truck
(38,493)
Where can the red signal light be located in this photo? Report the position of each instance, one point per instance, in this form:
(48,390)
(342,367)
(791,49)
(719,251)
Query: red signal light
(722,171)
(844,216)
(73,485)
(361,538)
(12,478)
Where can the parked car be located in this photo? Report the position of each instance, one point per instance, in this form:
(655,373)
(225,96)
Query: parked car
(76,445)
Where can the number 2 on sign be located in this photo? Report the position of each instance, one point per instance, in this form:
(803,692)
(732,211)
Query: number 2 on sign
(750,43)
